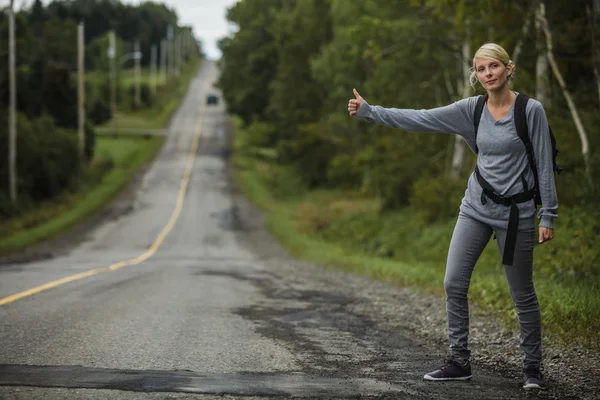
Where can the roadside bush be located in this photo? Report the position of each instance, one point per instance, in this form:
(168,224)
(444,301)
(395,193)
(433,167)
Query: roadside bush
(259,134)
(90,141)
(348,171)
(46,168)
(309,152)
(99,111)
(362,232)
(286,182)
(98,103)
(575,255)
(146,96)
(54,162)
(389,172)
(164,91)
(7,208)
(59,95)
(129,99)
(437,198)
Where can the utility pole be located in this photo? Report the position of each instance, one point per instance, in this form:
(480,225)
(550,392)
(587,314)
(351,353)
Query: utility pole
(187,45)
(176,50)
(113,78)
(137,57)
(12,119)
(179,53)
(170,51)
(81,90)
(184,46)
(163,61)
(153,69)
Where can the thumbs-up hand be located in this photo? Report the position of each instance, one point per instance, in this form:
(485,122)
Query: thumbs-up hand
(354,104)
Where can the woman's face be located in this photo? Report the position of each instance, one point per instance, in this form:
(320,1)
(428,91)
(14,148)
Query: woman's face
(492,73)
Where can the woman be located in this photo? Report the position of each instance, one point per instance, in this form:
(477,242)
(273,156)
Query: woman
(502,163)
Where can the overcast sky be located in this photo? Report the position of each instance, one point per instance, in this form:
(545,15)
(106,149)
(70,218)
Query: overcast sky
(207,18)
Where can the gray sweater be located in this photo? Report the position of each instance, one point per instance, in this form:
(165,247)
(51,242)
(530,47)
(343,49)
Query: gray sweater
(501,160)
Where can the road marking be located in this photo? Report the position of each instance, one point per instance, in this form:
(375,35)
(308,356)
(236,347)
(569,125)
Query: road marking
(155,245)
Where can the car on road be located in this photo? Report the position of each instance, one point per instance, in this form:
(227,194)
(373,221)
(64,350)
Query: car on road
(212,99)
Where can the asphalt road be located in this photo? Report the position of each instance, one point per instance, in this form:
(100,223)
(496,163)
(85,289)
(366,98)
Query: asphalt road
(177,305)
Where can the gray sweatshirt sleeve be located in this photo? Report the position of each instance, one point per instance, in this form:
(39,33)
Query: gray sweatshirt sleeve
(456,118)
(542,148)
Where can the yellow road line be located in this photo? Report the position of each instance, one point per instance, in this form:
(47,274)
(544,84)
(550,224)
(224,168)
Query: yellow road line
(50,285)
(155,245)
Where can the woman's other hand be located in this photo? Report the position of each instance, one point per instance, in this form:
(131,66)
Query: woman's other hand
(354,104)
(546,234)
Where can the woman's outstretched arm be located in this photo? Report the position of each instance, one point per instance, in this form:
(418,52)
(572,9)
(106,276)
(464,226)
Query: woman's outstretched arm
(456,118)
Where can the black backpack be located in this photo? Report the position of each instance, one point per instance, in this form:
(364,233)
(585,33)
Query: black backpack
(488,191)
(523,132)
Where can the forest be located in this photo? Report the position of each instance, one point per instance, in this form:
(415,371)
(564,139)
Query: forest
(288,73)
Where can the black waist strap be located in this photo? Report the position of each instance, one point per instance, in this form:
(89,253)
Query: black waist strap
(513,219)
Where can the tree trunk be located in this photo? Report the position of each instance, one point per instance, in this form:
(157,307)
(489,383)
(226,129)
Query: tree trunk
(451,95)
(449,86)
(542,84)
(519,45)
(580,129)
(458,158)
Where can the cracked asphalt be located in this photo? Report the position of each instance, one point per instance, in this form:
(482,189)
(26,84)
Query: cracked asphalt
(218,311)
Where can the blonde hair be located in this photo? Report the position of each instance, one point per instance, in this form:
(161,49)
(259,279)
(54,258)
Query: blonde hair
(495,51)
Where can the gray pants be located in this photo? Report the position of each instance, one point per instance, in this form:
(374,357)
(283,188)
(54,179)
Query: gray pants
(469,239)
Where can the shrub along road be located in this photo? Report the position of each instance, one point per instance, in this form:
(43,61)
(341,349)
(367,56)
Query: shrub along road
(177,295)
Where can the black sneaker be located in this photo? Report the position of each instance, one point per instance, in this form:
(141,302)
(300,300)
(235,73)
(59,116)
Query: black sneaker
(451,371)
(534,379)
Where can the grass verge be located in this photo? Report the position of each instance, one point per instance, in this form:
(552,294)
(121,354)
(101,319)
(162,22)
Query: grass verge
(346,230)
(117,160)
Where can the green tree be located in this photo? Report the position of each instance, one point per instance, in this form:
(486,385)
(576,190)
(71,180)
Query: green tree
(300,31)
(249,60)
(59,41)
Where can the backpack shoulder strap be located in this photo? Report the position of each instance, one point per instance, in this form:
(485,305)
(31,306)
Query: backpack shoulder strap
(521,120)
(520,115)
(477,115)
